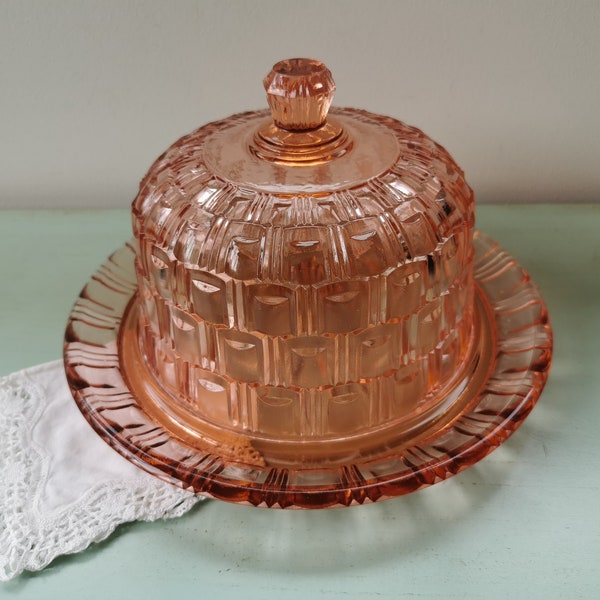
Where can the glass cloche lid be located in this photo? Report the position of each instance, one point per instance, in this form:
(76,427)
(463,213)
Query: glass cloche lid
(306,316)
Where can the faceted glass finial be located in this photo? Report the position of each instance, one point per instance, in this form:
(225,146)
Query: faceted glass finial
(299,92)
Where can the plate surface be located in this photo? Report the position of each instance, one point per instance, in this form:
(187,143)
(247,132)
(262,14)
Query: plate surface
(108,379)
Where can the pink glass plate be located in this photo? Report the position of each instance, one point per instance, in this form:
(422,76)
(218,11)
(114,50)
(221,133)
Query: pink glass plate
(108,379)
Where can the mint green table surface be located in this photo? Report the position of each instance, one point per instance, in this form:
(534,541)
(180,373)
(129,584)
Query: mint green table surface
(523,523)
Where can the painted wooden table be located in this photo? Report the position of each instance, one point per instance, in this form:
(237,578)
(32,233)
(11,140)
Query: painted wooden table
(523,523)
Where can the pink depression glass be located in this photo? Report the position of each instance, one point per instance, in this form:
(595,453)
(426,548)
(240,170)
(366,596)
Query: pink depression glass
(305,312)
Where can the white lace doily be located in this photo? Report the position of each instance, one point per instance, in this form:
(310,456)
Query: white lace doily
(62,487)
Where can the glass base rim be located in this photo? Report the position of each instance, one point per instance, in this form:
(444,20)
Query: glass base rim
(490,409)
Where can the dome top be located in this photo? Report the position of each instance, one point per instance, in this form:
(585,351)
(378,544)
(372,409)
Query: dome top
(344,194)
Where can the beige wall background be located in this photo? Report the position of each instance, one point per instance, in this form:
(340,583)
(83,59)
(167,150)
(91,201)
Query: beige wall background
(92,92)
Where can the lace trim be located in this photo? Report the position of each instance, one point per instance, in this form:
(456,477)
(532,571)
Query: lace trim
(31,538)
